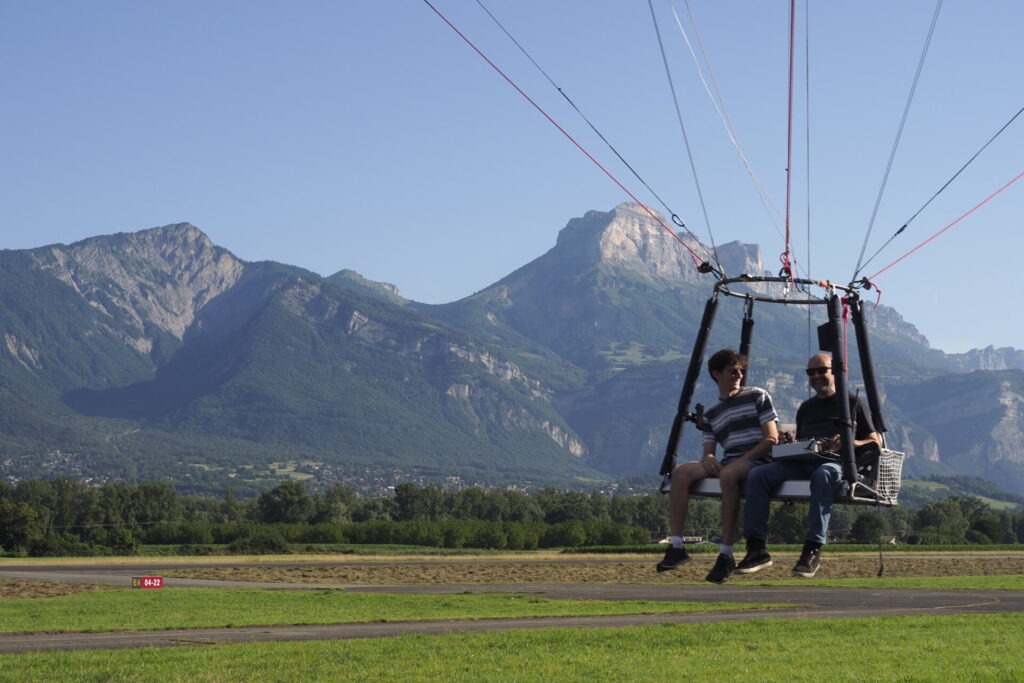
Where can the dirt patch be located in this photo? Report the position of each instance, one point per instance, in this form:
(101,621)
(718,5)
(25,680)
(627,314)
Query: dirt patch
(547,569)
(581,569)
(14,589)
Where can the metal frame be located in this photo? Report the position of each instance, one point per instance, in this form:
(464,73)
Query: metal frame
(831,338)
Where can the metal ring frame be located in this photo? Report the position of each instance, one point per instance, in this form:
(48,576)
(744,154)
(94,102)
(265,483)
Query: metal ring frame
(723,287)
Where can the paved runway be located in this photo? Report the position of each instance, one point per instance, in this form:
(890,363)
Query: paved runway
(813,601)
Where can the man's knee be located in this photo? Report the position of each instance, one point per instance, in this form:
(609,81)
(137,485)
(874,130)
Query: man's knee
(733,474)
(681,474)
(825,482)
(826,474)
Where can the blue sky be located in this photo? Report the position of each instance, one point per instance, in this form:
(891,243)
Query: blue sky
(368,135)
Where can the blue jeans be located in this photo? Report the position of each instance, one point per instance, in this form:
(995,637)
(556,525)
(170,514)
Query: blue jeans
(826,481)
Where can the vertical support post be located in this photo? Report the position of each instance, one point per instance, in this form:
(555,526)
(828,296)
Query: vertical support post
(867,367)
(689,385)
(840,370)
(746,335)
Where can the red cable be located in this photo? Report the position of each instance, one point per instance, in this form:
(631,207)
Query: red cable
(965,215)
(869,285)
(789,131)
(846,331)
(697,260)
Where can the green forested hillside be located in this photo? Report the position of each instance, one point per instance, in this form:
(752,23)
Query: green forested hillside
(284,367)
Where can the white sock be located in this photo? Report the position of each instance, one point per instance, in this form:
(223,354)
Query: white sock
(725,550)
(675,541)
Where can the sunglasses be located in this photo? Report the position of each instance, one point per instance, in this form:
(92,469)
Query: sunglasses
(811,372)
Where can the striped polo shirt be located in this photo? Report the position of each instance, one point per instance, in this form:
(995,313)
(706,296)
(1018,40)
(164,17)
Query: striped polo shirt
(735,422)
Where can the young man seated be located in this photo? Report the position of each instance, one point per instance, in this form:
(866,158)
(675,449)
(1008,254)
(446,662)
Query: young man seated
(744,423)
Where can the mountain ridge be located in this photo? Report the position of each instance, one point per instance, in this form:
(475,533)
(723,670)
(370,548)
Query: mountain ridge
(158,353)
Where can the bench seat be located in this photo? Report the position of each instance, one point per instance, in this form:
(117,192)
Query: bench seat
(793,490)
(790,491)
(883,492)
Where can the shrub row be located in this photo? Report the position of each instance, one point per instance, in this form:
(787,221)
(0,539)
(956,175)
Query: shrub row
(252,538)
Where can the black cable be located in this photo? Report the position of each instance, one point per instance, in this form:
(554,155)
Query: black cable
(686,139)
(674,216)
(881,560)
(906,223)
(899,134)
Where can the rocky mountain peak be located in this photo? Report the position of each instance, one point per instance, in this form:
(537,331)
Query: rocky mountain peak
(628,236)
(889,320)
(991,358)
(160,277)
(739,258)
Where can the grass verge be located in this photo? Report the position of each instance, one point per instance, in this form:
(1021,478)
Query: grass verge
(126,609)
(919,648)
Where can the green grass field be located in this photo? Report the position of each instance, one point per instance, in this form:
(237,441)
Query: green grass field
(914,648)
(927,648)
(170,608)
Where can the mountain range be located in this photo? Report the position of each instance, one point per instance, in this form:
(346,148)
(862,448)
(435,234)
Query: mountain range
(157,355)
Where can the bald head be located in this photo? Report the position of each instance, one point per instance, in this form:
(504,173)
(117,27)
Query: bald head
(820,360)
(819,375)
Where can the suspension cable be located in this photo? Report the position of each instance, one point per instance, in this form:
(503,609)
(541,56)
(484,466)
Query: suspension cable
(702,266)
(675,217)
(686,139)
(963,216)
(906,223)
(899,134)
(807,150)
(718,102)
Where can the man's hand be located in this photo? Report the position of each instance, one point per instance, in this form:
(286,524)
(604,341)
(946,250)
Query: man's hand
(832,443)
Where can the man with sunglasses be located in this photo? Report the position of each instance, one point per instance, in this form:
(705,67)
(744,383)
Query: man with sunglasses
(744,422)
(817,418)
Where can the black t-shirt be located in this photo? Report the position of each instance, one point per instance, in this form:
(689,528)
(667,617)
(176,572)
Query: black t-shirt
(819,417)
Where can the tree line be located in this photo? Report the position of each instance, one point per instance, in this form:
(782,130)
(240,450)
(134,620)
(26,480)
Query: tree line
(65,517)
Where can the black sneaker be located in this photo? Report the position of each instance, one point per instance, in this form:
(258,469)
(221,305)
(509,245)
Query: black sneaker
(808,564)
(723,569)
(755,560)
(673,558)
